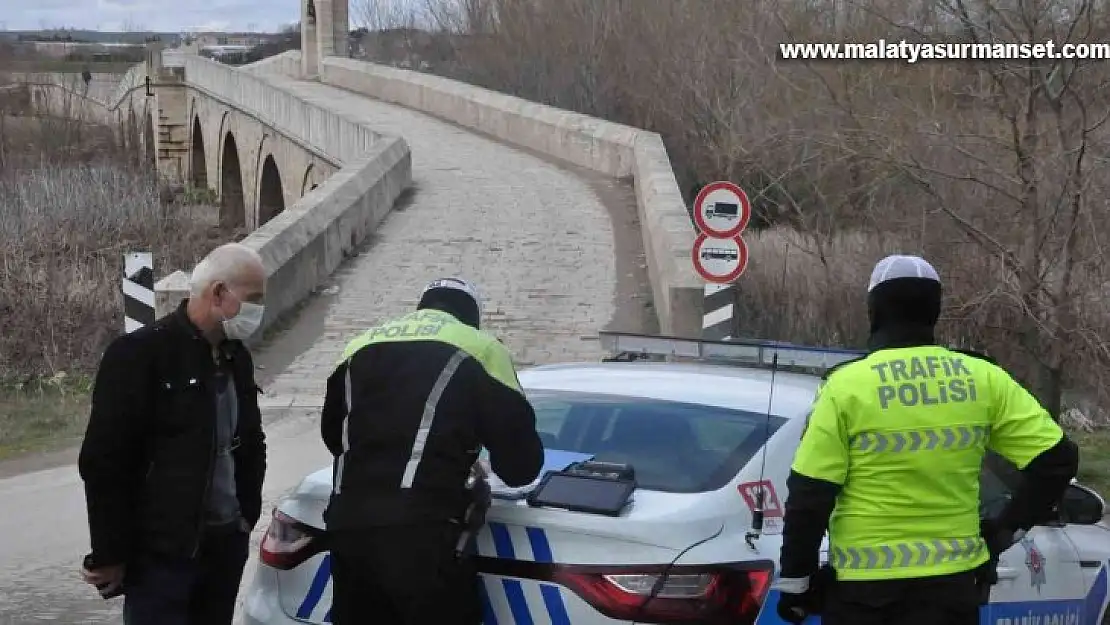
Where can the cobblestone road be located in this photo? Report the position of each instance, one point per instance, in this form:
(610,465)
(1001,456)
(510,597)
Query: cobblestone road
(535,237)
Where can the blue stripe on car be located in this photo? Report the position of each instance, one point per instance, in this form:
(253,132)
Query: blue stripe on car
(1096,598)
(514,592)
(1084,611)
(316,589)
(552,598)
(488,615)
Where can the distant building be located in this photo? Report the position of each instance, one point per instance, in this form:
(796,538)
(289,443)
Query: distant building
(236,48)
(87,36)
(225,52)
(202,40)
(83,50)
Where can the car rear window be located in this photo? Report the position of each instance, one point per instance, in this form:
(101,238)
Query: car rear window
(673,446)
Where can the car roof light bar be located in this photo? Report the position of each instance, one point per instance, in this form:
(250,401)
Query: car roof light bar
(741,352)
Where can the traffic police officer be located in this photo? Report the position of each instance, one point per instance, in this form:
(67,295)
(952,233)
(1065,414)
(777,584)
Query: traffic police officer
(889,463)
(407,411)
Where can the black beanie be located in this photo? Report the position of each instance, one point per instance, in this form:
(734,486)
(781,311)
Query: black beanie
(904,301)
(456,302)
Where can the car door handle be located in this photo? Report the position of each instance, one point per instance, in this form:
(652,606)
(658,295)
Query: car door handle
(1005,572)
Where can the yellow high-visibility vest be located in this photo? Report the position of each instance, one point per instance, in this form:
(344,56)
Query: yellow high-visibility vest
(903,432)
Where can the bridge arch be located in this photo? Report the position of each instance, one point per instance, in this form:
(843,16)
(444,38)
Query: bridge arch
(308,184)
(271,194)
(198,164)
(221,133)
(232,208)
(131,134)
(149,145)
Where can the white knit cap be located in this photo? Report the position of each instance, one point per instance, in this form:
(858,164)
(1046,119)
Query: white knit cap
(457,284)
(899,266)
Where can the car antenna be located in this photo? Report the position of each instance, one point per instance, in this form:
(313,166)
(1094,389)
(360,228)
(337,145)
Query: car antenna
(761,492)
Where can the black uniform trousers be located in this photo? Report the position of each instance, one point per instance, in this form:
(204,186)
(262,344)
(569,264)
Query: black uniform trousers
(403,575)
(161,590)
(940,600)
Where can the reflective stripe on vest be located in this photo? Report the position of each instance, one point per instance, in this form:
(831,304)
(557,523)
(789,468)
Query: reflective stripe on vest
(902,555)
(427,418)
(931,439)
(345,444)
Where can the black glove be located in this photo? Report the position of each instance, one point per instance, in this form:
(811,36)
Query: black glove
(793,608)
(797,607)
(473,518)
(998,539)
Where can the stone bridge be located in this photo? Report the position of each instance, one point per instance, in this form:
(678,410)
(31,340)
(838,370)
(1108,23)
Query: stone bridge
(251,143)
(359,182)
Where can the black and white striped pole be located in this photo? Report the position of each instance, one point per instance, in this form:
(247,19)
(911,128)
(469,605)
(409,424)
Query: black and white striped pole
(138,290)
(720,255)
(717,312)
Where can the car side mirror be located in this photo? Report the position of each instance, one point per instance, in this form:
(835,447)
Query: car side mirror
(1081,506)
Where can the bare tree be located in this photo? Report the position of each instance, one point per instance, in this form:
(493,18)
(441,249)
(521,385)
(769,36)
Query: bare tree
(379,15)
(987,166)
(1004,150)
(474,17)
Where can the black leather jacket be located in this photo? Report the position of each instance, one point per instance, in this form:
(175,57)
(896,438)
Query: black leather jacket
(149,450)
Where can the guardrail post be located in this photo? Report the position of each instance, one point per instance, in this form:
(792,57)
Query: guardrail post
(138,290)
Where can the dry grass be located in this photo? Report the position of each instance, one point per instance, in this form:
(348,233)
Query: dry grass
(72,205)
(66,229)
(74,199)
(42,415)
(805,288)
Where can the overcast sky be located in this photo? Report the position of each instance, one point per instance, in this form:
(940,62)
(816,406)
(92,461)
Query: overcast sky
(152,15)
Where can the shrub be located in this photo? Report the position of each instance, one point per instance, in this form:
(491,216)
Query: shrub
(812,289)
(67,222)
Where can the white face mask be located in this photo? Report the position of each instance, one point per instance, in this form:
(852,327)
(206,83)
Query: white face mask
(241,326)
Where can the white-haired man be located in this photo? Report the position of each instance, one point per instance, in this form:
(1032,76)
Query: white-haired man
(174,454)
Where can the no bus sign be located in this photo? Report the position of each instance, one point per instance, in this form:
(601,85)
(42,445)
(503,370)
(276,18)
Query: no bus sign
(720,261)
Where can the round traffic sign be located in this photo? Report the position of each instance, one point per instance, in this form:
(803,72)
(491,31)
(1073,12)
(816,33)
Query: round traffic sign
(722,210)
(720,261)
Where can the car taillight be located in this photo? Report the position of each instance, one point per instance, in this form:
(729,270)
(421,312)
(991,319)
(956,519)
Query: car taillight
(709,595)
(288,542)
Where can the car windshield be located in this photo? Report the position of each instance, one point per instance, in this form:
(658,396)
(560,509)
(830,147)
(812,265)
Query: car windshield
(673,446)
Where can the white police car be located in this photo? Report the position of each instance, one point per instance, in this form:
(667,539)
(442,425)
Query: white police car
(684,549)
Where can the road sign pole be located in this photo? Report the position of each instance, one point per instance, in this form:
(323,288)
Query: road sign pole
(720,255)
